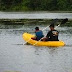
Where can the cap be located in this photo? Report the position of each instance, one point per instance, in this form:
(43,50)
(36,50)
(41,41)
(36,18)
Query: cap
(37,28)
(52,25)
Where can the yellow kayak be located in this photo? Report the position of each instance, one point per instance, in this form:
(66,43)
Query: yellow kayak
(27,38)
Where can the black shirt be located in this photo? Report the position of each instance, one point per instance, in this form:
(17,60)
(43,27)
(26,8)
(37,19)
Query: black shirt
(52,35)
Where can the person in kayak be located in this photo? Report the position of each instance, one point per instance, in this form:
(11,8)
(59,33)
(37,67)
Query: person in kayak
(38,34)
(52,35)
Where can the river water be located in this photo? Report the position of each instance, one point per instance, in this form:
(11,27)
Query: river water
(16,57)
(34,15)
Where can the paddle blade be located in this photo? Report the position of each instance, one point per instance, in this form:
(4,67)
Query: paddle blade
(54,21)
(64,21)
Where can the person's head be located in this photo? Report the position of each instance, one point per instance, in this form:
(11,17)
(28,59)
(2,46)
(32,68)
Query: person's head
(51,27)
(36,28)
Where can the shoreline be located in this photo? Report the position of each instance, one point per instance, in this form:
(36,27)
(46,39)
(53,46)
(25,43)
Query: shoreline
(39,11)
(31,21)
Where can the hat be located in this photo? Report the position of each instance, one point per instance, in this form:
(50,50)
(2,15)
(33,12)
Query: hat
(37,28)
(52,25)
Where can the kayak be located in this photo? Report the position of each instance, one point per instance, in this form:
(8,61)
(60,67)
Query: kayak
(27,37)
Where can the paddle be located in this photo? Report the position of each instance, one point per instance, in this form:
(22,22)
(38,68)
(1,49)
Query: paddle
(53,22)
(30,38)
(63,22)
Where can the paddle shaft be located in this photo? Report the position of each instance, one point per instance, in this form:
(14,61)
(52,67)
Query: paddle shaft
(63,22)
(42,30)
(41,38)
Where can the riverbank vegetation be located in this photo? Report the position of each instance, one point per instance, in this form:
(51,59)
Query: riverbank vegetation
(32,22)
(35,5)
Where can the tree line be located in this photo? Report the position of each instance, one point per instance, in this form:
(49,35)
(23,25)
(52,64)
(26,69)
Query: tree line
(36,5)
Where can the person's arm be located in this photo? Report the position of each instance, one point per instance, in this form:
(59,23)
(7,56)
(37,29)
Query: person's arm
(34,37)
(57,33)
(48,35)
(46,38)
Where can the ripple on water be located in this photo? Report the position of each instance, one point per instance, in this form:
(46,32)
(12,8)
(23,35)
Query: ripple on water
(14,56)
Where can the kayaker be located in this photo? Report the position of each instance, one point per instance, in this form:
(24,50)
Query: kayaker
(52,35)
(38,34)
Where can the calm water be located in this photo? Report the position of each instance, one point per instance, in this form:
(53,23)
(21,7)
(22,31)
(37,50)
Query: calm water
(14,56)
(34,15)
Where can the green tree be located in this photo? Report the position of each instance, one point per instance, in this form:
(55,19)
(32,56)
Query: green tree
(46,5)
(6,4)
(62,4)
(34,4)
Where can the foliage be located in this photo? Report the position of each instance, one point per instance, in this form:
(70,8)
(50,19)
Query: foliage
(36,5)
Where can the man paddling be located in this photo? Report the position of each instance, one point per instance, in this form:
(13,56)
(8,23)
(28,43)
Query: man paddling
(52,35)
(38,34)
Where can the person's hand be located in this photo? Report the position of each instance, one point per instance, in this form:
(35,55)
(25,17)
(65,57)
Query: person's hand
(43,38)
